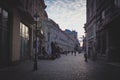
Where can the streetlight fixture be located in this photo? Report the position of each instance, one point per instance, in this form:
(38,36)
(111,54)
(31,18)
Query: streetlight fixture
(36,18)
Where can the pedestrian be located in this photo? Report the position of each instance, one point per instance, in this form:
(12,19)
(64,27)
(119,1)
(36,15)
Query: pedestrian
(74,53)
(85,56)
(53,50)
(58,51)
(71,52)
(66,53)
(44,51)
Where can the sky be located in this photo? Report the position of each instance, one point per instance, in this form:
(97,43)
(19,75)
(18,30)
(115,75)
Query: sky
(68,14)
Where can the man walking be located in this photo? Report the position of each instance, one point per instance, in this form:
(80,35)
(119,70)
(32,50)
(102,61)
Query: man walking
(85,56)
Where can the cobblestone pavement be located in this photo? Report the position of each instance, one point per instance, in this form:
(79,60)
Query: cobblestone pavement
(68,67)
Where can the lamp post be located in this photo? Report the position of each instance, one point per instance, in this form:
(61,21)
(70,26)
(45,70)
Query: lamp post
(36,18)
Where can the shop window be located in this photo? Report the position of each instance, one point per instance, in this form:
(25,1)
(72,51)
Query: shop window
(24,34)
(4,37)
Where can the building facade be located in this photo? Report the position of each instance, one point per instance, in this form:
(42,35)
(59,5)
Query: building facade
(90,28)
(73,34)
(106,17)
(53,34)
(17,30)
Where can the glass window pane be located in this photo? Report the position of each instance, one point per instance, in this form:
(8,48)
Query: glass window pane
(24,40)
(0,10)
(5,14)
(27,33)
(4,18)
(118,3)
(20,29)
(0,15)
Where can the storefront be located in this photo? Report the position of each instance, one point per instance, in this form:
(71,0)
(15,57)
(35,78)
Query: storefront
(24,41)
(4,37)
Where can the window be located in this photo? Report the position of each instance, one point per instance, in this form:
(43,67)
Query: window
(0,15)
(103,14)
(117,3)
(48,36)
(24,31)
(0,10)
(5,18)
(90,12)
(24,34)
(4,36)
(41,31)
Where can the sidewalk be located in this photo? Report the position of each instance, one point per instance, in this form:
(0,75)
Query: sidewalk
(103,60)
(114,64)
(68,67)
(22,71)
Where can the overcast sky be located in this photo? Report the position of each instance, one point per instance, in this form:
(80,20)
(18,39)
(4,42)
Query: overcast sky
(68,14)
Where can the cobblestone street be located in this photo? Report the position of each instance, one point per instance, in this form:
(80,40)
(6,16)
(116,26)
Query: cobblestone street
(68,67)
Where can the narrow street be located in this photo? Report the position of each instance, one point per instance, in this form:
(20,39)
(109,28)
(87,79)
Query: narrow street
(68,67)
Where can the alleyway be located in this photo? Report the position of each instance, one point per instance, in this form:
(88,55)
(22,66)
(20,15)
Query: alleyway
(68,67)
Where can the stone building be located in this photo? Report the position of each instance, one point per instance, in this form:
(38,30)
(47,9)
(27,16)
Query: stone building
(105,15)
(73,34)
(53,34)
(17,29)
(90,28)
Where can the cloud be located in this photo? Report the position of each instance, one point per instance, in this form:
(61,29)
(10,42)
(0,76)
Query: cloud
(68,14)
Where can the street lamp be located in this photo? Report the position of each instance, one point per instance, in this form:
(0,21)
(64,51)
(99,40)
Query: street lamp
(36,18)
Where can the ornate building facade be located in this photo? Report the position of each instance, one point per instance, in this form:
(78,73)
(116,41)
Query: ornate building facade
(53,34)
(104,17)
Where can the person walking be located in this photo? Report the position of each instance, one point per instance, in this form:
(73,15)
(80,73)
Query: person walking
(85,56)
(74,53)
